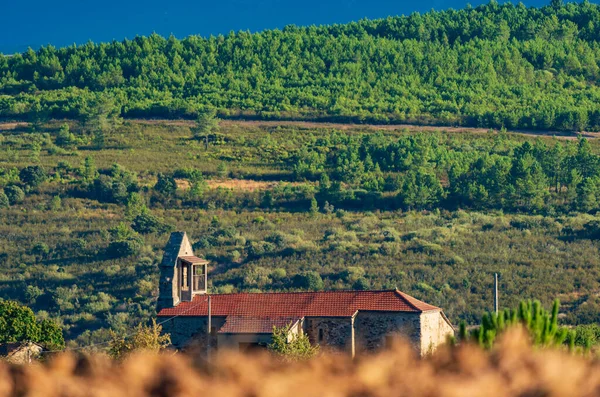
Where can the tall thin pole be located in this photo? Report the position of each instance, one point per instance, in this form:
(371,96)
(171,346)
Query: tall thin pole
(208,331)
(496,292)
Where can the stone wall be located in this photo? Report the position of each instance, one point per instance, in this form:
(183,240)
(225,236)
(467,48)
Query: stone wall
(168,291)
(24,354)
(336,331)
(435,330)
(178,245)
(191,331)
(296,329)
(232,341)
(373,329)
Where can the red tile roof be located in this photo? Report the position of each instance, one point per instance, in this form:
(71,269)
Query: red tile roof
(254,325)
(299,304)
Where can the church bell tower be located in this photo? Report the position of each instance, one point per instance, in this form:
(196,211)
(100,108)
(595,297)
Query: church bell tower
(182,274)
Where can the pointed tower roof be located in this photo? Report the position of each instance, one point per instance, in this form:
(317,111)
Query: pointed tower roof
(178,245)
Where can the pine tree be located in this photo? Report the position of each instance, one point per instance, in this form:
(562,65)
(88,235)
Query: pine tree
(314,207)
(588,194)
(134,206)
(88,170)
(206,123)
(529,181)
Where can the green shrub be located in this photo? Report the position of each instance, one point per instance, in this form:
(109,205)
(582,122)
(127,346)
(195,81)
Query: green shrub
(4,202)
(65,137)
(291,346)
(128,247)
(361,284)
(225,289)
(146,223)
(390,234)
(351,274)
(256,249)
(278,274)
(15,194)
(32,293)
(310,281)
(166,185)
(587,335)
(55,203)
(33,175)
(541,325)
(124,242)
(40,249)
(18,324)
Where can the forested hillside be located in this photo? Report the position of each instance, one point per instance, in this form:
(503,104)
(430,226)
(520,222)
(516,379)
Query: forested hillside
(87,202)
(494,65)
(84,216)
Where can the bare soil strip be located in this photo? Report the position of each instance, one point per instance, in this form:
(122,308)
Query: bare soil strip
(8,126)
(249,185)
(373,127)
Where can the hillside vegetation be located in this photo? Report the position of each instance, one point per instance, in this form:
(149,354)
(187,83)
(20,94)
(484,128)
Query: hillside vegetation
(83,222)
(494,65)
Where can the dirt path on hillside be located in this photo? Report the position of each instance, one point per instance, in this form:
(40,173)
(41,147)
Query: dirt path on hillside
(342,126)
(371,127)
(249,185)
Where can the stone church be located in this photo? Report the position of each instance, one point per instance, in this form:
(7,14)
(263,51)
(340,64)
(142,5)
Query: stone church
(350,321)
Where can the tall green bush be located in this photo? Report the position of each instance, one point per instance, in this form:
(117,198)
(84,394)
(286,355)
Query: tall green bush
(291,347)
(18,324)
(542,325)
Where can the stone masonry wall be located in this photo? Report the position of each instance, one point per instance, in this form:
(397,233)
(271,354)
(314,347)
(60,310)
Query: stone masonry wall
(191,331)
(232,341)
(371,329)
(21,355)
(178,245)
(337,332)
(434,331)
(425,331)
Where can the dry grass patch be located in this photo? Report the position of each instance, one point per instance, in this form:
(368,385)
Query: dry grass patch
(242,184)
(513,368)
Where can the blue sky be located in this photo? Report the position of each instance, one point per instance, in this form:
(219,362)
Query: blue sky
(63,22)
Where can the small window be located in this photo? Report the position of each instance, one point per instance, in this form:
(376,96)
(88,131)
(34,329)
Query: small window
(320,335)
(199,281)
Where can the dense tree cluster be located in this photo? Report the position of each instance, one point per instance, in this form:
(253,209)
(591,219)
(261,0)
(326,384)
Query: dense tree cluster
(431,171)
(18,324)
(493,65)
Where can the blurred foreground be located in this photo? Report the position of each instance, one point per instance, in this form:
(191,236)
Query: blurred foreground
(512,368)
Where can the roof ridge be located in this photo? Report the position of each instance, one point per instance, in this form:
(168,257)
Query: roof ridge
(306,292)
(401,295)
(410,300)
(264,316)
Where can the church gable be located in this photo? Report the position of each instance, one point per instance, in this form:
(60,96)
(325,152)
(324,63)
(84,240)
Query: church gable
(178,245)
